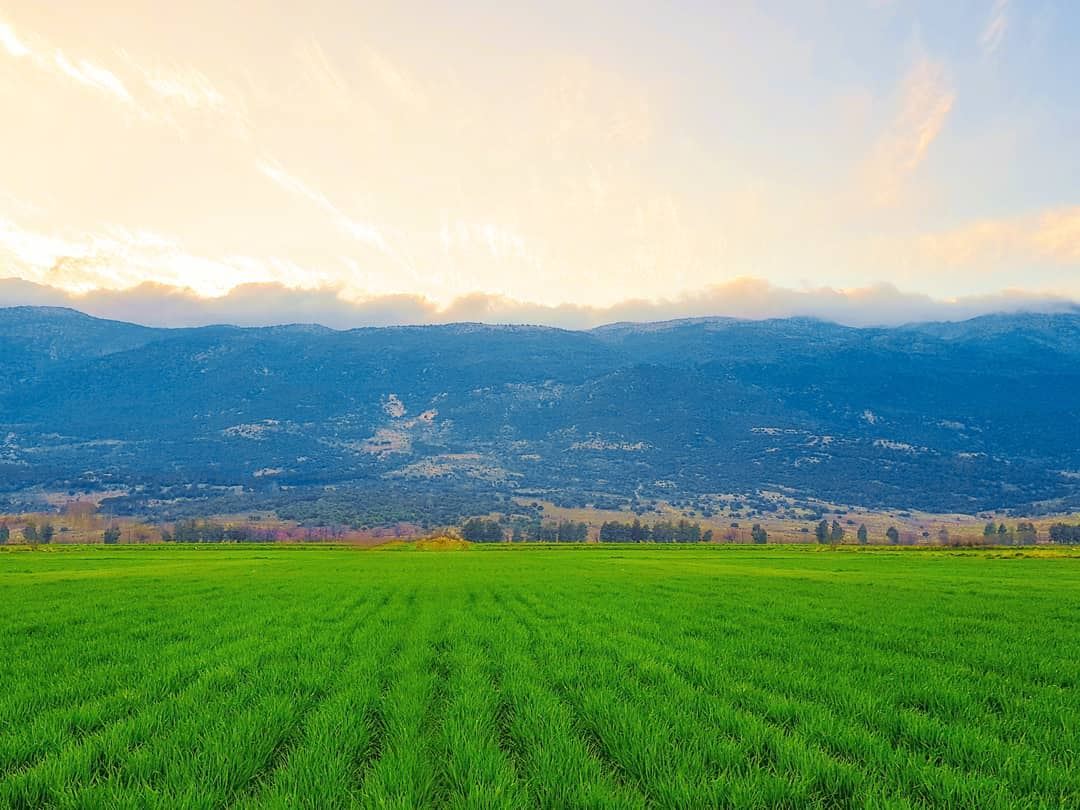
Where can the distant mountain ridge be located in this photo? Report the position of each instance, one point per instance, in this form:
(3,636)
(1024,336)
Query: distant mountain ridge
(963,416)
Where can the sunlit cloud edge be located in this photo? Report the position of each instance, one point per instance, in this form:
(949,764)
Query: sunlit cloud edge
(268,304)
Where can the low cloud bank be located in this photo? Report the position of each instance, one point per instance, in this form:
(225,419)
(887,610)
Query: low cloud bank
(270,304)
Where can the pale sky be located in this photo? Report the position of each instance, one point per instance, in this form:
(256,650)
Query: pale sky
(552,154)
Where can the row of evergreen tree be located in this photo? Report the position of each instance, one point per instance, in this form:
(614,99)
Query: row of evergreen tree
(207,531)
(31,533)
(484,530)
(1064,533)
(1025,534)
(663,531)
(836,533)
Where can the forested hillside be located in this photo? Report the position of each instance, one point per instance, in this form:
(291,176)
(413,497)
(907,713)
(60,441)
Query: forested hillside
(386,424)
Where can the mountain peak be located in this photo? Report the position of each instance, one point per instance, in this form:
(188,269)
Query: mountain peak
(703,410)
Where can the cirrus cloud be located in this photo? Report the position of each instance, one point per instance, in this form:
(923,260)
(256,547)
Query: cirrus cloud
(1048,236)
(926,98)
(996,26)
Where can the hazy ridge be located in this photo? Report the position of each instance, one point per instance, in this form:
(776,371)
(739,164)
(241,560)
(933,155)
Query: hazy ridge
(964,416)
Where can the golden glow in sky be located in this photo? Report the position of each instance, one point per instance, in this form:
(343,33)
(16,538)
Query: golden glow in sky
(550,153)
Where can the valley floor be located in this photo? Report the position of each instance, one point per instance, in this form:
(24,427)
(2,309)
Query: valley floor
(539,677)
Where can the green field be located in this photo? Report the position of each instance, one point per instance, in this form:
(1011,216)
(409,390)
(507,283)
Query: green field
(538,677)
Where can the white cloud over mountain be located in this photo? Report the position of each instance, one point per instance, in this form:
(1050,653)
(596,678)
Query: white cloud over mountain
(271,304)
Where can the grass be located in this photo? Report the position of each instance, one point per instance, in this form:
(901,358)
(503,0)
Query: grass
(539,677)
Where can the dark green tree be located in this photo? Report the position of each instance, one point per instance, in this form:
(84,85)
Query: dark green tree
(1064,533)
(836,533)
(472,530)
(112,535)
(821,531)
(893,535)
(481,530)
(759,535)
(5,533)
(1026,533)
(687,532)
(47,532)
(862,535)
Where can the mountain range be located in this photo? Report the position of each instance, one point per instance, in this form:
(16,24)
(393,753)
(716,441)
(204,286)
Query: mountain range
(376,424)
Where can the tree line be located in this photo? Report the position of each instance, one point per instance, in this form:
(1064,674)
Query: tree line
(1025,534)
(485,530)
(664,531)
(834,534)
(207,531)
(32,534)
(1064,533)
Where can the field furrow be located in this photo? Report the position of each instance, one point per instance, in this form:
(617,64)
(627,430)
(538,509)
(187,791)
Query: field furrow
(540,677)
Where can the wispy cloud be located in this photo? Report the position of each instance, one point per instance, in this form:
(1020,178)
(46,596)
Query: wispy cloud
(117,258)
(363,232)
(154,92)
(403,87)
(53,60)
(94,76)
(997,24)
(1058,235)
(1050,236)
(184,85)
(182,96)
(328,83)
(925,100)
(12,44)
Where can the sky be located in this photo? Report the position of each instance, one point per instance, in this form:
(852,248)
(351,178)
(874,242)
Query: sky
(556,162)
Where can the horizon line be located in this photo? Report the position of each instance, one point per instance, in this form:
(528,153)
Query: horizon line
(1073,312)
